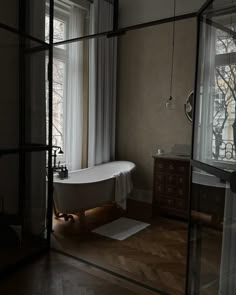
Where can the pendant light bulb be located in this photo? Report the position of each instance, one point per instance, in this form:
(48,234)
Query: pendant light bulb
(170,104)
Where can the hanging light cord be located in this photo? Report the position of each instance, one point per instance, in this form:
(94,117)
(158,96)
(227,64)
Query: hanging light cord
(173,52)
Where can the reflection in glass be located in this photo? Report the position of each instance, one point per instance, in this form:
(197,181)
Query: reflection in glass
(79,18)
(35,80)
(213,236)
(84,81)
(59,100)
(33,22)
(23,206)
(22,87)
(216,97)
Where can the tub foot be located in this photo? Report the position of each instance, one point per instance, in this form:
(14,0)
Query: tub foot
(59,215)
(66,217)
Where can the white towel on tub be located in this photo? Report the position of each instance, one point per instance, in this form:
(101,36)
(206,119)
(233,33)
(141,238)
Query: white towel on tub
(123,187)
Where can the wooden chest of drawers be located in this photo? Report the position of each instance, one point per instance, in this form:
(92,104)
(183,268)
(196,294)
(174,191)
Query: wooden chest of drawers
(171,186)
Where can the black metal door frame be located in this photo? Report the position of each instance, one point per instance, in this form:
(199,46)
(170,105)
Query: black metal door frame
(23,147)
(222,174)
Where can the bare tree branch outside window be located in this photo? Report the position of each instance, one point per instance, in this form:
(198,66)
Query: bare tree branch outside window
(224,121)
(58,81)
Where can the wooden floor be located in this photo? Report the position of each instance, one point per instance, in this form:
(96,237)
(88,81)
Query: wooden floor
(13,255)
(155,256)
(55,274)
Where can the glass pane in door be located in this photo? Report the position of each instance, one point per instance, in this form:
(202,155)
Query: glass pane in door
(23,207)
(215,121)
(212,239)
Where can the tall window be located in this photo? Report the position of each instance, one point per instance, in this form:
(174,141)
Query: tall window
(224,97)
(59,75)
(70,69)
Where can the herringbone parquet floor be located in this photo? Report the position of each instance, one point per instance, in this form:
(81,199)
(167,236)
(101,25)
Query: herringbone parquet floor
(55,274)
(155,256)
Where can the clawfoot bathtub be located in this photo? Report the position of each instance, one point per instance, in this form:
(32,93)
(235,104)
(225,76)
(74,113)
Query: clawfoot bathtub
(88,188)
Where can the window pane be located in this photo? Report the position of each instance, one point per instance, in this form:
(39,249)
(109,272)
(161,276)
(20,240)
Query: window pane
(224,113)
(212,246)
(35,97)
(58,96)
(58,102)
(215,125)
(82,18)
(33,18)
(59,30)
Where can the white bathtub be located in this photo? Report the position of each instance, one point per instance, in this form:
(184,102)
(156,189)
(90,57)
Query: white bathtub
(88,188)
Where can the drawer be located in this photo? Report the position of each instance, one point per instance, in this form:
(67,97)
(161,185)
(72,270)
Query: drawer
(176,192)
(176,180)
(170,190)
(171,180)
(171,167)
(160,166)
(183,168)
(160,178)
(181,181)
(159,188)
(177,168)
(181,193)
(180,204)
(167,202)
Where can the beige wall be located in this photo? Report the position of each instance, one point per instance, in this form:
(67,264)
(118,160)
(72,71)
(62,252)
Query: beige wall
(9,12)
(143,122)
(132,12)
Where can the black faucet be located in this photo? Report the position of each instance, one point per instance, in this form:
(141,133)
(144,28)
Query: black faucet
(55,148)
(62,170)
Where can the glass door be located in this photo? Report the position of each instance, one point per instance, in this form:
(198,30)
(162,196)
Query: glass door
(212,226)
(25,153)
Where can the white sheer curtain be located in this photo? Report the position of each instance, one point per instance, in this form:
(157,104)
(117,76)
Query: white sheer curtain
(102,86)
(205,105)
(73,104)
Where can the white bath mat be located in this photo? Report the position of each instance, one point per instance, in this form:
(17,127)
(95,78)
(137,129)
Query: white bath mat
(121,228)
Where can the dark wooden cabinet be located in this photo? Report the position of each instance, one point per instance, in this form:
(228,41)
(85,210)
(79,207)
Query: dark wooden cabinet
(171,186)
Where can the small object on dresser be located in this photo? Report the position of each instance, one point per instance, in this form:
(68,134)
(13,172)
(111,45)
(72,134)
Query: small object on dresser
(160,151)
